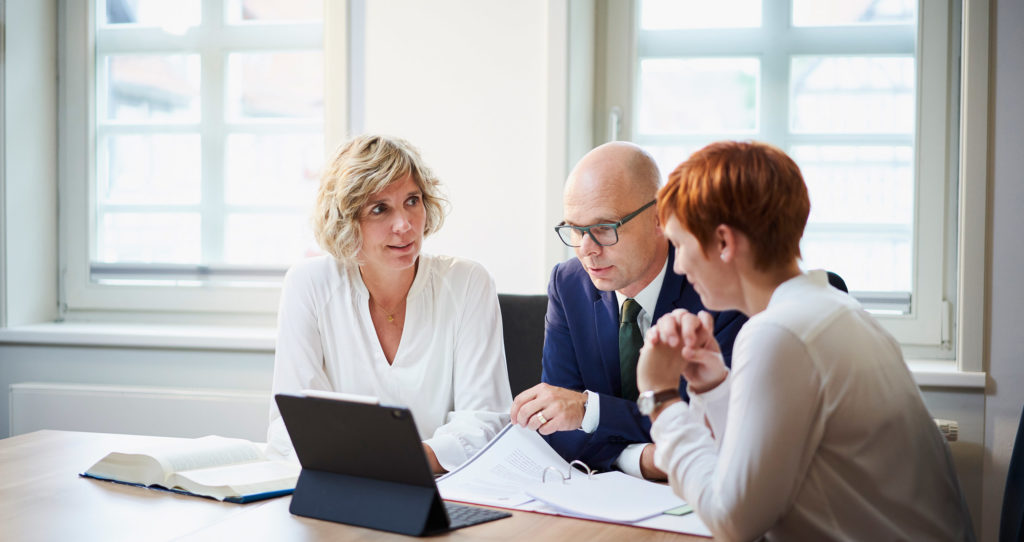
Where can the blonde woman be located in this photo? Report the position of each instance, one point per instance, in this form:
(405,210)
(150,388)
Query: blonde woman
(818,432)
(377,317)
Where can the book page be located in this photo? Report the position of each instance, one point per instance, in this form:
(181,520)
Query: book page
(496,476)
(209,451)
(135,468)
(240,479)
(154,464)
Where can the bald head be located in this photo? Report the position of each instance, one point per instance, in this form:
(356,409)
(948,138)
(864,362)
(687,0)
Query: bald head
(618,169)
(611,183)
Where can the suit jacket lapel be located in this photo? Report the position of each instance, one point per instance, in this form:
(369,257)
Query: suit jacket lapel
(673,290)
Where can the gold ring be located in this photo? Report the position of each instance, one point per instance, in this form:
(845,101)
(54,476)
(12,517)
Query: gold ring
(543,420)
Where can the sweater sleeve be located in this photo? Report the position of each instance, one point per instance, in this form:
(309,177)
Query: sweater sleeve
(741,487)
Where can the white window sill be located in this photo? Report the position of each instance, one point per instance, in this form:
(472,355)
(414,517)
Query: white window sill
(944,374)
(251,339)
(927,373)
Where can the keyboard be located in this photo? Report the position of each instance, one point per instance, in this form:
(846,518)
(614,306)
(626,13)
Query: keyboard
(463,516)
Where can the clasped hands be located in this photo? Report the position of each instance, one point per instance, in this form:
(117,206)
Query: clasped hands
(681,343)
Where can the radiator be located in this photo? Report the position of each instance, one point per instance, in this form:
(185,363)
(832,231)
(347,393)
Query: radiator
(171,412)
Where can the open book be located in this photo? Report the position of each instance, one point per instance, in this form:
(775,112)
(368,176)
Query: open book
(226,469)
(519,470)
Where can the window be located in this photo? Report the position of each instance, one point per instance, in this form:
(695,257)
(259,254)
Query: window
(857,92)
(204,136)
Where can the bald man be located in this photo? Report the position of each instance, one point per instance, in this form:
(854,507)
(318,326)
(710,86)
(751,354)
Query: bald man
(599,305)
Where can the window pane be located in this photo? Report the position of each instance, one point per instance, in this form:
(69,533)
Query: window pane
(274,11)
(668,157)
(273,169)
(853,12)
(268,239)
(868,262)
(852,95)
(861,211)
(675,14)
(163,88)
(276,85)
(149,238)
(151,170)
(865,184)
(175,17)
(698,95)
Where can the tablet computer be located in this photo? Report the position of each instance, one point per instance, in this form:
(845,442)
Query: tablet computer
(363,464)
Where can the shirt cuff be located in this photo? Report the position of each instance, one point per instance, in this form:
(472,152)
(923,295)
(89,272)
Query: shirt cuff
(629,460)
(592,414)
(668,420)
(448,451)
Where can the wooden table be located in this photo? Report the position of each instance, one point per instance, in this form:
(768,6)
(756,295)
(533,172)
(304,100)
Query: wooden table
(43,498)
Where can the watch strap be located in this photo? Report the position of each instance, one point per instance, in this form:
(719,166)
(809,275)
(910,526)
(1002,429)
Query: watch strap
(665,395)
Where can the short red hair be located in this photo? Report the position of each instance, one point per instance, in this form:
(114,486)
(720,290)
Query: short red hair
(752,187)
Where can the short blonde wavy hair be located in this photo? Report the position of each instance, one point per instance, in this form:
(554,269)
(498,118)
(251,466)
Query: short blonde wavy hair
(358,169)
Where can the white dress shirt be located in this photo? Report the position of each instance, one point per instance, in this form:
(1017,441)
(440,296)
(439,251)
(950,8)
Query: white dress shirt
(629,459)
(449,369)
(818,433)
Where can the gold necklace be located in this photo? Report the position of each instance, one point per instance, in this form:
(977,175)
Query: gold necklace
(389,314)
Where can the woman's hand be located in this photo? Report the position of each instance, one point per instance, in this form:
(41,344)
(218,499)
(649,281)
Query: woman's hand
(693,336)
(435,465)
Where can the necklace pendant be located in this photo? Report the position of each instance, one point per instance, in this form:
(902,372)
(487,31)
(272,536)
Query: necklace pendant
(391,318)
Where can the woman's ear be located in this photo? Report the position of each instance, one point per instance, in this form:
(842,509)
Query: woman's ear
(725,241)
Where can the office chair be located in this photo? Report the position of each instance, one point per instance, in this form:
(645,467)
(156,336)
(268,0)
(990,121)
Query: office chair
(522,319)
(1011,520)
(837,282)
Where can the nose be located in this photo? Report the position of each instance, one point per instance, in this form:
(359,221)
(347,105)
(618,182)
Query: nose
(588,246)
(677,264)
(402,222)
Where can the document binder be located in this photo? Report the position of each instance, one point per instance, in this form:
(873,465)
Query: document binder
(518,470)
(363,464)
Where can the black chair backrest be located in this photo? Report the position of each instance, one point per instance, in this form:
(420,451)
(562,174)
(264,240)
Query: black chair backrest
(1011,520)
(837,282)
(522,320)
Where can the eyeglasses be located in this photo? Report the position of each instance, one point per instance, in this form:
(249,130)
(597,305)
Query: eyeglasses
(603,234)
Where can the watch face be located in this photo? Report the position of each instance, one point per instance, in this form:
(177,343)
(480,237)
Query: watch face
(645,403)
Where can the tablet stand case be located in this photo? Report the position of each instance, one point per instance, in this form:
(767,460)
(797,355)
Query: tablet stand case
(387,506)
(362,465)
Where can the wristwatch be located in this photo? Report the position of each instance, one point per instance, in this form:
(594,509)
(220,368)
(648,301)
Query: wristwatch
(650,400)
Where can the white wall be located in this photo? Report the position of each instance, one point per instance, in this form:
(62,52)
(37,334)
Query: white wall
(467,82)
(1005,392)
(28,172)
(172,368)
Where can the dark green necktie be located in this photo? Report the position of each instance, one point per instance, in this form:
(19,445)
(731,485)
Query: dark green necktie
(630,341)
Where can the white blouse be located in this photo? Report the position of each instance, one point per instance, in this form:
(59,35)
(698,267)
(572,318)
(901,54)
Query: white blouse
(818,433)
(449,369)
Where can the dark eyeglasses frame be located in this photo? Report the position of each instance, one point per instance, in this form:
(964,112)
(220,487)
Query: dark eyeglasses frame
(585,230)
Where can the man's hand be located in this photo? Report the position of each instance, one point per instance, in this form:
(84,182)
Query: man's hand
(546,408)
(647,467)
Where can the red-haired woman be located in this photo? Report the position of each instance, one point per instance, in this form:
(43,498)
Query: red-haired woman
(818,432)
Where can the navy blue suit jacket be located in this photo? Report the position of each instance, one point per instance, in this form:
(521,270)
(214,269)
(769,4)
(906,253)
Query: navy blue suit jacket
(581,352)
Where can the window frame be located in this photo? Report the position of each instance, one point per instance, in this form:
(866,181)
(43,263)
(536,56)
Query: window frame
(927,331)
(180,293)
